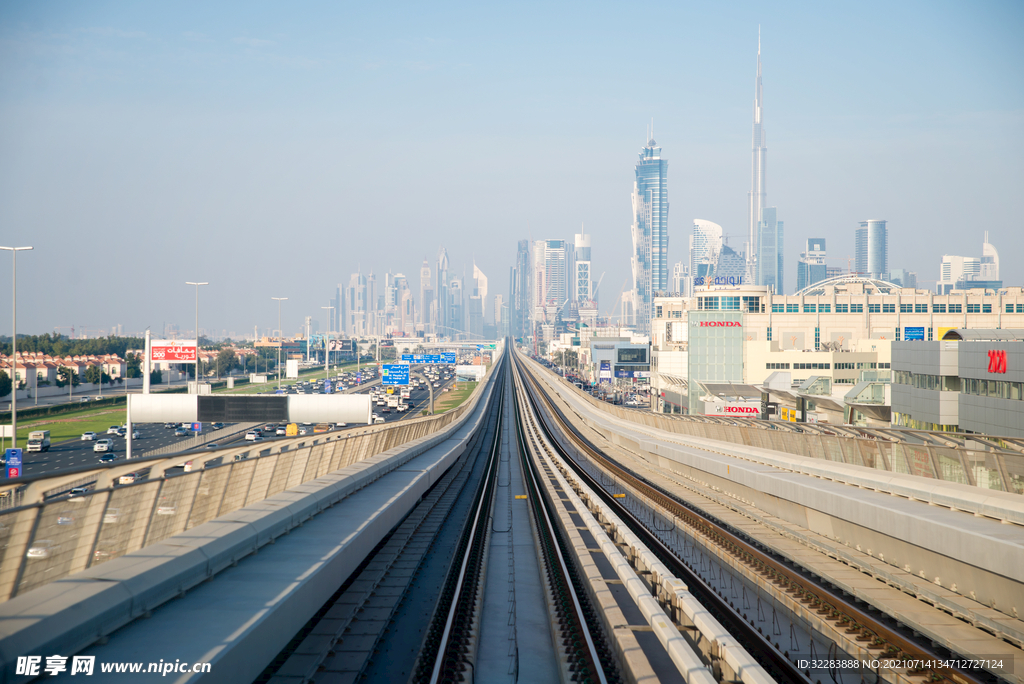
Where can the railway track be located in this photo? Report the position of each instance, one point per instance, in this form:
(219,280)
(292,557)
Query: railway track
(885,642)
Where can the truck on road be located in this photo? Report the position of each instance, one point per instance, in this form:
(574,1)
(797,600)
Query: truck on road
(39,440)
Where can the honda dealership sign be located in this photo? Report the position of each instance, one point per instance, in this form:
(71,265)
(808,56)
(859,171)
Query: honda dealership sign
(734,410)
(173,351)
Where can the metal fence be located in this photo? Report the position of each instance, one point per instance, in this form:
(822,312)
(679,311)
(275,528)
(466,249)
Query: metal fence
(48,539)
(963,458)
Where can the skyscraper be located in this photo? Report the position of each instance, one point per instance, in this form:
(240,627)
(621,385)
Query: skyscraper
(441,277)
(519,292)
(960,272)
(650,234)
(811,267)
(477,303)
(582,284)
(758,176)
(426,297)
(770,251)
(871,249)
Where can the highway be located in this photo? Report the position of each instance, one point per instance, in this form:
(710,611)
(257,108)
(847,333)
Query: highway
(537,535)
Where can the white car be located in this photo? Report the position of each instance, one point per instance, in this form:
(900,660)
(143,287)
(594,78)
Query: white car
(113,429)
(42,548)
(253,436)
(103,445)
(88,436)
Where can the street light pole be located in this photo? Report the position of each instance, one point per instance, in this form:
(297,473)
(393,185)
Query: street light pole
(327,345)
(197,334)
(280,338)
(14,342)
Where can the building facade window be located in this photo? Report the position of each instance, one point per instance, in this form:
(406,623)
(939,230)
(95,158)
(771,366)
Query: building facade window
(938,308)
(824,308)
(731,303)
(955,308)
(817,339)
(810,308)
(657,311)
(874,308)
(986,308)
(792,308)
(906,308)
(778,308)
(920,308)
(888,308)
(974,308)
(842,308)
(752,305)
(846,366)
(776,366)
(769,336)
(812,366)
(856,308)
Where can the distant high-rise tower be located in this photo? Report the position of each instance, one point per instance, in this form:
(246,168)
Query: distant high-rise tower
(811,267)
(582,284)
(770,251)
(426,296)
(519,292)
(871,249)
(441,296)
(758,176)
(650,234)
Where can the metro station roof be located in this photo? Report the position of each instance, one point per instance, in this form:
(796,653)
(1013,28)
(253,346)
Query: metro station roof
(985,335)
(839,285)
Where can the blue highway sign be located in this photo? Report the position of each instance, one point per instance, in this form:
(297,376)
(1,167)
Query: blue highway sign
(395,374)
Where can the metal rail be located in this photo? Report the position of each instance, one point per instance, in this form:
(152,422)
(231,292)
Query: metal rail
(828,603)
(556,562)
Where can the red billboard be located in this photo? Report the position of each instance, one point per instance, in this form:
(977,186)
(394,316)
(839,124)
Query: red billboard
(173,351)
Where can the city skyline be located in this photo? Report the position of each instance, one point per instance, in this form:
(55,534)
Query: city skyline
(240,141)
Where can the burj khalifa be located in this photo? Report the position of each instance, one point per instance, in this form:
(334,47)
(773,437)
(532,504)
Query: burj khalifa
(758,168)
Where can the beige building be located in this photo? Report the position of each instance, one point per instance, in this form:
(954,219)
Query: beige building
(839,328)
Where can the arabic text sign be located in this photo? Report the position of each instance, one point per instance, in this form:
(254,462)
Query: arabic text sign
(395,374)
(173,351)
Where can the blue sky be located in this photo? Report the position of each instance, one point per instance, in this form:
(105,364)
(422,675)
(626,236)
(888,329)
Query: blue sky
(273,149)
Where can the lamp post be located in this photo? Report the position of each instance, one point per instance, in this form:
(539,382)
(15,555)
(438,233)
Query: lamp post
(280,337)
(327,345)
(14,342)
(197,334)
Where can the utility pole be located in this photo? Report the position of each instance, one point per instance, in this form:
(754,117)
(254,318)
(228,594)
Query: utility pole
(280,338)
(197,336)
(14,343)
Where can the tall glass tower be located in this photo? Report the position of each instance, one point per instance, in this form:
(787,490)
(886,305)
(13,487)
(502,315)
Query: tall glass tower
(649,262)
(871,249)
(758,177)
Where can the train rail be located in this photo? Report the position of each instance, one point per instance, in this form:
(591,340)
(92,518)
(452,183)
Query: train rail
(870,631)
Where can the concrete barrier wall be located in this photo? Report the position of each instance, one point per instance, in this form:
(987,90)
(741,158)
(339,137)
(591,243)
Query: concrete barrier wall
(995,470)
(284,490)
(43,541)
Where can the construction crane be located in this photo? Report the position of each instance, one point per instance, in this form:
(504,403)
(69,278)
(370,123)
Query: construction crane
(598,286)
(618,299)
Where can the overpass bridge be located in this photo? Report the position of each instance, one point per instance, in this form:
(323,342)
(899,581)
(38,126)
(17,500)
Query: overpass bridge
(532,534)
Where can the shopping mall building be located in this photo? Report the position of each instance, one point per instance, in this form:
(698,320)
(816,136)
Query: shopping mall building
(836,334)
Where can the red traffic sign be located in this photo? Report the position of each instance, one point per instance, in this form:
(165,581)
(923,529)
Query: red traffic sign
(13,472)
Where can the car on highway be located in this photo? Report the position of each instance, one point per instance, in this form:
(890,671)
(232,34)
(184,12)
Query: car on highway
(42,549)
(212,445)
(305,430)
(136,434)
(216,426)
(181,432)
(108,458)
(77,494)
(378,420)
(281,431)
(84,400)
(88,436)
(113,429)
(103,445)
(253,436)
(128,478)
(170,426)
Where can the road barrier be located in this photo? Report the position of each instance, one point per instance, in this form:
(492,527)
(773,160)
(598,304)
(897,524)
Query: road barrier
(44,539)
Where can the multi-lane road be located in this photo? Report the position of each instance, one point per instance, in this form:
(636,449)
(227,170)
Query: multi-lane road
(152,436)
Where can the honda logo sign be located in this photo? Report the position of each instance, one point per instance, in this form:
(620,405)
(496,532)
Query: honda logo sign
(997,361)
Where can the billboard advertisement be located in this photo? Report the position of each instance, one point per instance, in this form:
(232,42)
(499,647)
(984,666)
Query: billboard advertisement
(469,373)
(173,351)
(340,345)
(394,374)
(913,333)
(291,369)
(734,410)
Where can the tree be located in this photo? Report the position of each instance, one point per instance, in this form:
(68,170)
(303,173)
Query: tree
(155,377)
(226,361)
(5,384)
(95,375)
(65,375)
(134,366)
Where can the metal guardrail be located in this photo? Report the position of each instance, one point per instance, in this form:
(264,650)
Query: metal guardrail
(48,539)
(978,460)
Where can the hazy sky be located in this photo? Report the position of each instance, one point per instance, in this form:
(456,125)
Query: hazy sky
(274,148)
